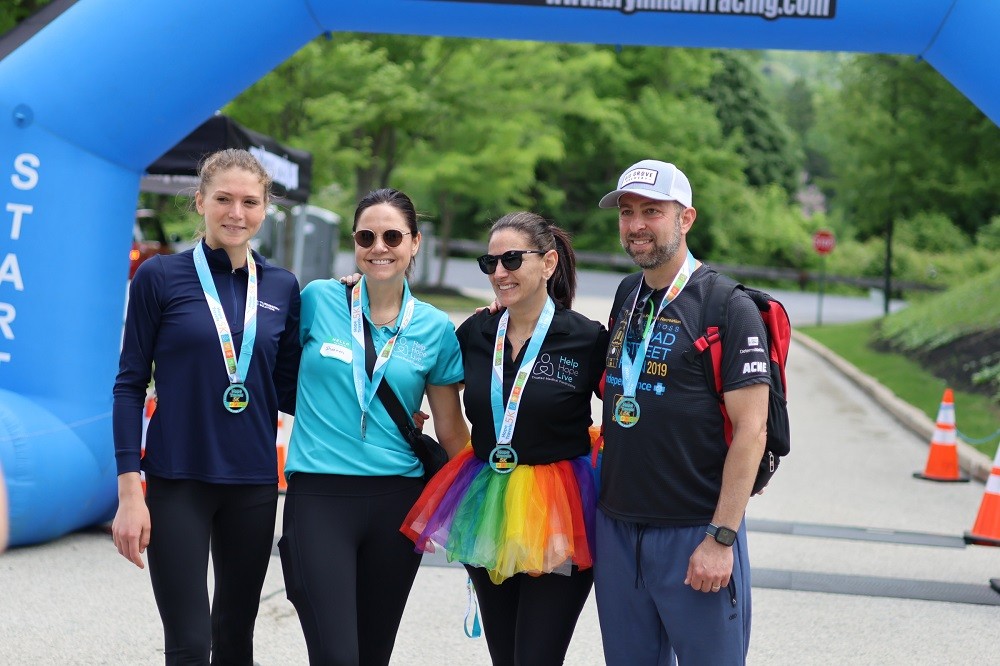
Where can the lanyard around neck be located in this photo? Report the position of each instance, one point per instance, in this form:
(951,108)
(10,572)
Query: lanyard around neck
(632,368)
(364,387)
(504,419)
(237,370)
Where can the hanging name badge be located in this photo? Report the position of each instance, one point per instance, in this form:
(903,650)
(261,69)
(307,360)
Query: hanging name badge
(503,457)
(626,411)
(236,397)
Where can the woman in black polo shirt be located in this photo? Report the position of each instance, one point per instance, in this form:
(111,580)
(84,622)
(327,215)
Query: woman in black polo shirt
(517,506)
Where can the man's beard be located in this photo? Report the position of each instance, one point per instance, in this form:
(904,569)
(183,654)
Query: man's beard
(660,254)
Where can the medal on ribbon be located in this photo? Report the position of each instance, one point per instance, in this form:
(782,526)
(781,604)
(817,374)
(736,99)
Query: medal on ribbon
(503,457)
(626,410)
(236,397)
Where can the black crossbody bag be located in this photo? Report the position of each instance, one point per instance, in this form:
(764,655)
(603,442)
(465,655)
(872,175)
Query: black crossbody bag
(427,449)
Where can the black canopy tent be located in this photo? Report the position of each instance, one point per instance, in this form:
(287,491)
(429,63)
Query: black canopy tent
(176,170)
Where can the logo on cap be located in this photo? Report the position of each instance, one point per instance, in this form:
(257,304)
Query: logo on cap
(646,176)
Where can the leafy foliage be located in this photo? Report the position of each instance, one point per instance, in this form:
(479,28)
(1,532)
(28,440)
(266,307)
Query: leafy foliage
(458,125)
(988,236)
(475,128)
(902,141)
(931,231)
(13,12)
(766,232)
(765,142)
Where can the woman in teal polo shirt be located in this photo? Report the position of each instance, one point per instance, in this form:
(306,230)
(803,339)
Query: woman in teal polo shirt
(351,475)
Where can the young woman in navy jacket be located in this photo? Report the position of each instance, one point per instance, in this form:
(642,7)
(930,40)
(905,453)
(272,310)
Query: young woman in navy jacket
(217,329)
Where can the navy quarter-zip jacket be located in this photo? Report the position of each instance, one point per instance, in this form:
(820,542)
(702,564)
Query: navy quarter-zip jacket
(169,330)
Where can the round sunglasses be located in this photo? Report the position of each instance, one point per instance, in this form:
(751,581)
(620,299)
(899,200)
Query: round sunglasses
(391,237)
(511,260)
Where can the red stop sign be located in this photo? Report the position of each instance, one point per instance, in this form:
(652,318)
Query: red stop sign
(824,242)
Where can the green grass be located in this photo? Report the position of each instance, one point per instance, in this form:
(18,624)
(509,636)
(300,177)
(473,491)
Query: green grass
(449,301)
(968,308)
(976,415)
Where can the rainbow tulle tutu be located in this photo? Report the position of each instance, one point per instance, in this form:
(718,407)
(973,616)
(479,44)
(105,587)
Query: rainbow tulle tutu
(538,519)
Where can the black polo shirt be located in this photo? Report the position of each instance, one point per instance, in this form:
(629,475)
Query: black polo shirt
(555,413)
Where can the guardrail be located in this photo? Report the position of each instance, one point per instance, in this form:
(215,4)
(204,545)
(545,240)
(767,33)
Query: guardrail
(621,262)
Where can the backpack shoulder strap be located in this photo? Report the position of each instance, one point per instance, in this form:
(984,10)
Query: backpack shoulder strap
(625,287)
(714,312)
(714,315)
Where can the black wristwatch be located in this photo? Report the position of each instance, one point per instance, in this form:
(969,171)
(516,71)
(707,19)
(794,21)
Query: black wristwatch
(723,535)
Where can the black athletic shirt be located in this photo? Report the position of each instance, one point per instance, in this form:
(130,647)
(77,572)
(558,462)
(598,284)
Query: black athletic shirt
(555,413)
(667,468)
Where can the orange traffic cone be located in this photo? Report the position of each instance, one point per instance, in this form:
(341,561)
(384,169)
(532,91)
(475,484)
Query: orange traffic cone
(942,461)
(986,530)
(284,432)
(147,414)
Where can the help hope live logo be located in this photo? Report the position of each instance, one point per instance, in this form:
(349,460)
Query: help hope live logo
(564,370)
(25,179)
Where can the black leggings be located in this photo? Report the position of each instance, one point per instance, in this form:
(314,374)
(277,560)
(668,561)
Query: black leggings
(348,569)
(186,518)
(529,620)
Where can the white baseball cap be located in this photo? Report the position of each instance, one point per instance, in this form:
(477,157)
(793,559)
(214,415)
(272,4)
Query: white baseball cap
(652,179)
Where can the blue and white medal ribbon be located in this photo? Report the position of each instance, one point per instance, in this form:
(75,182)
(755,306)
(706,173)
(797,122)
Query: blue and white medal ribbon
(503,458)
(363,386)
(236,396)
(626,410)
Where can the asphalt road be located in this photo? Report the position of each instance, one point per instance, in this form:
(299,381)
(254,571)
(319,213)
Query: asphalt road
(854,560)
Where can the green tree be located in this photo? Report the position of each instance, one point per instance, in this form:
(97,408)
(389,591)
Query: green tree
(477,153)
(347,101)
(649,105)
(736,91)
(903,141)
(13,12)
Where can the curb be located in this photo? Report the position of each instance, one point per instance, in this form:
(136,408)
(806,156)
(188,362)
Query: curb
(973,462)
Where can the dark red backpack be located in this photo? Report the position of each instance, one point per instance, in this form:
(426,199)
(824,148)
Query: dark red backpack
(713,323)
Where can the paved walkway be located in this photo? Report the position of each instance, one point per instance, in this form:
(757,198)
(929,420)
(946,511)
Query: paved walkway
(835,581)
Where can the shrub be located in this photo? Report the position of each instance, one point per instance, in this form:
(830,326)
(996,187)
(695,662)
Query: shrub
(931,231)
(988,236)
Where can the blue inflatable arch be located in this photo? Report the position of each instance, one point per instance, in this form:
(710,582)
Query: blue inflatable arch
(107,87)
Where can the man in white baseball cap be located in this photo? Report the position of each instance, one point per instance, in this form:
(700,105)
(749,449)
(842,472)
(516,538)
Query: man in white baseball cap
(672,571)
(652,179)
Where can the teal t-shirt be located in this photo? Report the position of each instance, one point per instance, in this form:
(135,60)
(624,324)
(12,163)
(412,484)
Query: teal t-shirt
(326,438)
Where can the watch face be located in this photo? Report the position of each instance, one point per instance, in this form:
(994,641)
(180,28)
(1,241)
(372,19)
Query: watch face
(723,535)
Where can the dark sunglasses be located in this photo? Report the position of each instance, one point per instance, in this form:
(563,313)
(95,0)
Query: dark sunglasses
(391,237)
(511,260)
